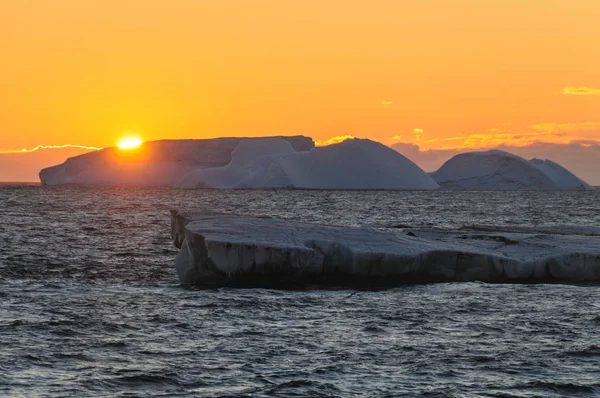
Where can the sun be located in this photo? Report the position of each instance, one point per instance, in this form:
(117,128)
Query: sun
(129,143)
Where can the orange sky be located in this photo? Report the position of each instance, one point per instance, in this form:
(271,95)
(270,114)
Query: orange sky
(437,73)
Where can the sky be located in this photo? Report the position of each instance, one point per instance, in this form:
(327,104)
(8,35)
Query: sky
(444,76)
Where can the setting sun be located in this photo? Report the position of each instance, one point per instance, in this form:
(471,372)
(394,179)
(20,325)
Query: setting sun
(129,143)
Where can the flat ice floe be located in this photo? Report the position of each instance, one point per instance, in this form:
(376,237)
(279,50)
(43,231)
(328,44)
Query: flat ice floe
(227,250)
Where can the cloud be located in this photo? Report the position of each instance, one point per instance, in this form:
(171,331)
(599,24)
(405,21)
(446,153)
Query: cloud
(556,133)
(490,140)
(334,140)
(24,166)
(486,140)
(581,90)
(428,160)
(419,134)
(37,148)
(566,127)
(387,102)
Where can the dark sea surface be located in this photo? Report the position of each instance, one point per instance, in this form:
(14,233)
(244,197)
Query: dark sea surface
(91,305)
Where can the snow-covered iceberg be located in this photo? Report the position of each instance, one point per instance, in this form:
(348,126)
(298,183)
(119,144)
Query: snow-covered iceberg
(155,163)
(230,163)
(227,250)
(497,170)
(352,164)
(563,178)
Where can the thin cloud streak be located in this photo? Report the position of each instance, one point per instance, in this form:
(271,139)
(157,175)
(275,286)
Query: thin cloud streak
(490,140)
(334,140)
(566,127)
(550,132)
(581,90)
(37,148)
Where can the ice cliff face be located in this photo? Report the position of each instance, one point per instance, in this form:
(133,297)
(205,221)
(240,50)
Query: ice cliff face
(228,250)
(352,164)
(155,163)
(502,171)
(231,163)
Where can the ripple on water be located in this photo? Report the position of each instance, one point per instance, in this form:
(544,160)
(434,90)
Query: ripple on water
(91,305)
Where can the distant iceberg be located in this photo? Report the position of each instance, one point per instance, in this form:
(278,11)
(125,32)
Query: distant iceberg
(295,162)
(497,170)
(564,179)
(352,164)
(240,163)
(155,163)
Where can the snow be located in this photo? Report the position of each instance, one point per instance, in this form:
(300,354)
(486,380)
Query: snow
(499,170)
(155,163)
(245,163)
(221,250)
(561,176)
(352,164)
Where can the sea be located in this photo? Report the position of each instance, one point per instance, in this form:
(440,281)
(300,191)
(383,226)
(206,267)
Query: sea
(90,304)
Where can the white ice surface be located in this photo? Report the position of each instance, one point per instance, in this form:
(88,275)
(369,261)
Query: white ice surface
(352,164)
(503,171)
(219,249)
(245,163)
(155,163)
(561,176)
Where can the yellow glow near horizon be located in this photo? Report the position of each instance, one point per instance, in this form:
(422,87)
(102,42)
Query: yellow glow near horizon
(129,143)
(374,70)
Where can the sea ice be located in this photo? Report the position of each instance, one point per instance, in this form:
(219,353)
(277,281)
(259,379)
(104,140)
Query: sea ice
(221,250)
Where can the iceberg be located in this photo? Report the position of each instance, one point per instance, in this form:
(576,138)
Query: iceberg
(497,170)
(228,250)
(246,163)
(563,178)
(155,163)
(352,164)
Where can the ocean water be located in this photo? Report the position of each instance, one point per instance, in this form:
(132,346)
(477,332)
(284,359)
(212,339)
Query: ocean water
(90,304)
